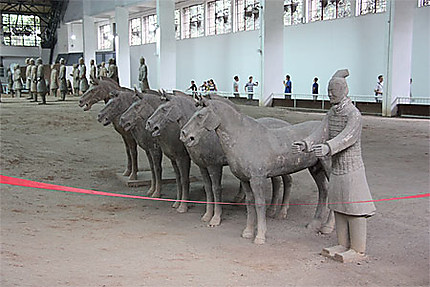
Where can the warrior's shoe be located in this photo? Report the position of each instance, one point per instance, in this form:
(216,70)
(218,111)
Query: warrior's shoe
(331,251)
(349,256)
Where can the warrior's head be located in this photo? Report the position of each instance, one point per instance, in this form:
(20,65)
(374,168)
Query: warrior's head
(337,87)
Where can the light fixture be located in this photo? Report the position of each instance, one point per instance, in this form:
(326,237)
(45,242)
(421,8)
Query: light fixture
(73,37)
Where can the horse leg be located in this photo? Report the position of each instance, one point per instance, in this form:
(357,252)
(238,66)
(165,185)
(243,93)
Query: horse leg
(216,175)
(209,195)
(157,157)
(276,196)
(127,171)
(328,226)
(286,178)
(322,183)
(178,183)
(184,169)
(151,166)
(240,196)
(249,230)
(260,186)
(133,154)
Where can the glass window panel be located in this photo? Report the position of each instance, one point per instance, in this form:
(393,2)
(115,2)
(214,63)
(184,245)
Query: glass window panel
(21,30)
(149,28)
(192,21)
(177,24)
(105,37)
(135,31)
(219,17)
(248,14)
(293,12)
(371,6)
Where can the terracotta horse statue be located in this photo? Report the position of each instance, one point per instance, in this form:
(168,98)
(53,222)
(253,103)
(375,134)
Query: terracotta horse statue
(208,154)
(135,118)
(256,153)
(112,112)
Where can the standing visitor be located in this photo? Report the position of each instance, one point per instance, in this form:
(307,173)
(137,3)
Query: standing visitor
(315,87)
(379,89)
(249,88)
(236,86)
(288,87)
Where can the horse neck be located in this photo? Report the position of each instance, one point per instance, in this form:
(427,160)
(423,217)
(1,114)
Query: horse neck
(186,108)
(235,123)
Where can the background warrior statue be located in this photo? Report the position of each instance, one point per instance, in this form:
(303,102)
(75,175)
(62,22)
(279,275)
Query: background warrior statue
(143,75)
(348,181)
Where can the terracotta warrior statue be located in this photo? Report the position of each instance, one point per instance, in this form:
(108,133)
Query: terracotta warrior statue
(28,78)
(75,76)
(143,75)
(83,82)
(17,81)
(41,83)
(103,71)
(10,81)
(53,85)
(93,72)
(33,86)
(113,70)
(62,79)
(347,183)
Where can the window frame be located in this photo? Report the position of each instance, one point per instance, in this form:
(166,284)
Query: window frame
(32,40)
(101,43)
(360,11)
(139,37)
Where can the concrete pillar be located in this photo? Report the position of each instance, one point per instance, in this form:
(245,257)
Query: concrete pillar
(399,52)
(166,45)
(90,40)
(272,45)
(122,47)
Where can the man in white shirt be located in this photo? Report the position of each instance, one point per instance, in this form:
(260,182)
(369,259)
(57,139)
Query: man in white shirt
(236,86)
(379,89)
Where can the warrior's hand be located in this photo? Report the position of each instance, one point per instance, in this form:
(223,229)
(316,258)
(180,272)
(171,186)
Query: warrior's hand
(298,146)
(321,150)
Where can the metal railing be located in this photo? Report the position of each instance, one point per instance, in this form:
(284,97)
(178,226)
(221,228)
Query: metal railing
(325,101)
(412,101)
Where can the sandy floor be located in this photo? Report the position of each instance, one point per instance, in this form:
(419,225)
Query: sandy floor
(51,238)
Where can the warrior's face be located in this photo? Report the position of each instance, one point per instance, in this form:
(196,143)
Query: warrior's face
(337,90)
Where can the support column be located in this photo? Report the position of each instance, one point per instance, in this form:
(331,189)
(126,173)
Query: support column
(399,52)
(90,39)
(272,45)
(122,47)
(166,45)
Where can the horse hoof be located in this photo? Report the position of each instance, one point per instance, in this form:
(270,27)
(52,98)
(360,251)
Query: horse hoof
(259,240)
(176,204)
(206,217)
(281,215)
(271,212)
(248,234)
(314,225)
(156,194)
(326,229)
(150,191)
(182,208)
(215,221)
(132,176)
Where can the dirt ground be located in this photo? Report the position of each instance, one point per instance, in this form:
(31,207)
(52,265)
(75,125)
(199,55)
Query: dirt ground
(51,238)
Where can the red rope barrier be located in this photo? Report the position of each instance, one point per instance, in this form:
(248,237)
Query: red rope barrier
(34,184)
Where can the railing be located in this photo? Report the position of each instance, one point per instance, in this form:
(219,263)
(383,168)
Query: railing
(325,101)
(412,101)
